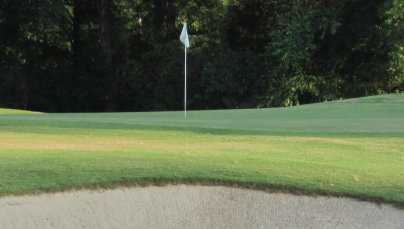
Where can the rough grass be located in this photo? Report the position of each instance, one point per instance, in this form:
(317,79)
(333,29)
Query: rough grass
(349,148)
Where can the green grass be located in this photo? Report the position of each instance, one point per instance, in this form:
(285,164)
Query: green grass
(346,148)
(13,111)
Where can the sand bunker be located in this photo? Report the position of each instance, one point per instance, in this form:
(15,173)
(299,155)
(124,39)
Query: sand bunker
(185,207)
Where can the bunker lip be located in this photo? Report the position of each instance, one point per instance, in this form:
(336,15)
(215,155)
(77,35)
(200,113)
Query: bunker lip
(192,206)
(249,186)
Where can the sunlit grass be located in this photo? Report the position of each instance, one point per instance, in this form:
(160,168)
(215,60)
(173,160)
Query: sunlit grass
(295,149)
(13,111)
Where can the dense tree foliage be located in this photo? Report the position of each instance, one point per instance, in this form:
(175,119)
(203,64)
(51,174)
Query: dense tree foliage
(125,55)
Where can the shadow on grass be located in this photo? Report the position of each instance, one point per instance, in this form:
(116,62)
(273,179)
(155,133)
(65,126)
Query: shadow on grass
(37,125)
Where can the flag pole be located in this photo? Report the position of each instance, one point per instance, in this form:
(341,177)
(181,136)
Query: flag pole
(185,40)
(185,85)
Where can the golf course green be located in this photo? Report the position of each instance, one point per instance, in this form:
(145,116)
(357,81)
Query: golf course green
(351,148)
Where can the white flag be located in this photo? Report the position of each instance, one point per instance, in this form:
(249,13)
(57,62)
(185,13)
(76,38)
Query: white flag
(184,36)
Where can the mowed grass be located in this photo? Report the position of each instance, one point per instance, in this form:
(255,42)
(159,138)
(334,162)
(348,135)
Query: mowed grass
(16,112)
(347,148)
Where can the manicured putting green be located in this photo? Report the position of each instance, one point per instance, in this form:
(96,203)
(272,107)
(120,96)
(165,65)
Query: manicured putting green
(350,148)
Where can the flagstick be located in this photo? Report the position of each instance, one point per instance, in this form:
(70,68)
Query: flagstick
(185,85)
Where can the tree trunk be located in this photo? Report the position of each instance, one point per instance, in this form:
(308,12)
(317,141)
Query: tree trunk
(105,29)
(105,35)
(76,55)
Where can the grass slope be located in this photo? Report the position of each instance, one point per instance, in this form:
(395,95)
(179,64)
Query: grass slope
(14,112)
(352,148)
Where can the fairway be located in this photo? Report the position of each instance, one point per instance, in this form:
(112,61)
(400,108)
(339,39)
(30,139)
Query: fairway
(349,148)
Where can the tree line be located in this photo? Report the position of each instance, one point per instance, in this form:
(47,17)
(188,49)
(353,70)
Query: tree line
(125,55)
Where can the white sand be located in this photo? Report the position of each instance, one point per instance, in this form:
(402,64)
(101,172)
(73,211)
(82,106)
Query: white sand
(192,207)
